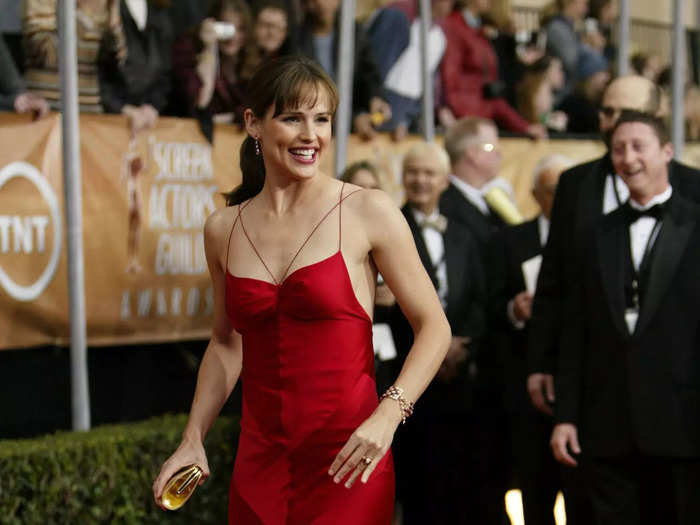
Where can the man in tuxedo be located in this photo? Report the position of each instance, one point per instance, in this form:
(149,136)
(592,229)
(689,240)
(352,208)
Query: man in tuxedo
(536,471)
(628,376)
(585,194)
(472,144)
(437,456)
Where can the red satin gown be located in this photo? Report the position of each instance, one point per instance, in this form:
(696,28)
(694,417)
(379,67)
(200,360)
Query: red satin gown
(308,383)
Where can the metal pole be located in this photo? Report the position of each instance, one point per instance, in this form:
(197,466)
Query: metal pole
(623,38)
(428,117)
(70,138)
(678,81)
(344,61)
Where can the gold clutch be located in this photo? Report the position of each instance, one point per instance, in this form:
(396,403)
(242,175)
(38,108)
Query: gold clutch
(180,487)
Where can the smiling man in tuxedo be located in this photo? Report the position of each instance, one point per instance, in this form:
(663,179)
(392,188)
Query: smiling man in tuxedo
(628,378)
(585,194)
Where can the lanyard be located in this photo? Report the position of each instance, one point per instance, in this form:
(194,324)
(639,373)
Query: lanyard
(645,260)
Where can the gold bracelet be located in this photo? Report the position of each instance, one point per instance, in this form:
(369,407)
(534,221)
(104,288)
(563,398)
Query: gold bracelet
(396,393)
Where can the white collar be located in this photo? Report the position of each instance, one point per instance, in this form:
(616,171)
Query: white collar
(421,217)
(543,227)
(656,199)
(472,194)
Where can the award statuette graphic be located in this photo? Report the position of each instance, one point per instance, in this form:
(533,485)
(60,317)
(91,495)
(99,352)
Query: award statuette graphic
(180,487)
(132,168)
(24,229)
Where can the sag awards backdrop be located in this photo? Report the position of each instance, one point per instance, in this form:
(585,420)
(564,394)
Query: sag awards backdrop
(144,205)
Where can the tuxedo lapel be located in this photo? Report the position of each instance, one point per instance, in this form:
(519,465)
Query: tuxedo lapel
(455,263)
(611,246)
(673,238)
(420,244)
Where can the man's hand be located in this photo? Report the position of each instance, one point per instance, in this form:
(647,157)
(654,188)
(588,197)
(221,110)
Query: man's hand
(537,131)
(565,436)
(456,354)
(522,306)
(29,102)
(539,386)
(140,117)
(363,126)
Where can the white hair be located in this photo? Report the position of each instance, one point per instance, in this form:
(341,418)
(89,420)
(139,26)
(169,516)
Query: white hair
(548,163)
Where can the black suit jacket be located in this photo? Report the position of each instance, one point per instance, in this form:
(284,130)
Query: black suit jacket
(508,249)
(144,77)
(638,392)
(456,206)
(578,204)
(465,311)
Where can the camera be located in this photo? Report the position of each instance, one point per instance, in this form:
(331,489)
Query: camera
(224,30)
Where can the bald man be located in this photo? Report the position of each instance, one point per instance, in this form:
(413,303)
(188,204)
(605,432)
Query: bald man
(536,471)
(585,194)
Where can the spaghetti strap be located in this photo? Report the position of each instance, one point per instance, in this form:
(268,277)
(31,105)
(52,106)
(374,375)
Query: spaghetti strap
(230,233)
(341,198)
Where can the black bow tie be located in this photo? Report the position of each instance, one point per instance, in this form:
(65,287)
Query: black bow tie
(655,212)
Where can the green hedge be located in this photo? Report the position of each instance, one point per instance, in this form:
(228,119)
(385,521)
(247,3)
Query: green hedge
(105,475)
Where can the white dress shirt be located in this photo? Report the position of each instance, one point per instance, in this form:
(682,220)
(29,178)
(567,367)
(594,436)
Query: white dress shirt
(640,233)
(435,244)
(472,194)
(641,230)
(610,198)
(139,12)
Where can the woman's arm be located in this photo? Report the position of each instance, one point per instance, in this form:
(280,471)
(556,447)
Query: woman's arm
(220,367)
(396,257)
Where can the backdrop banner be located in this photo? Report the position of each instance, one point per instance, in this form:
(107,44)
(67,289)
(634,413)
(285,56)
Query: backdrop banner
(145,201)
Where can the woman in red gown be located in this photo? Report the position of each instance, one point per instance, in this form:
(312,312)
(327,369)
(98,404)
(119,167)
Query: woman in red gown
(293,259)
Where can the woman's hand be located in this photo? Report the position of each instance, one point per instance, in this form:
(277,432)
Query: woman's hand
(188,453)
(370,441)
(207,32)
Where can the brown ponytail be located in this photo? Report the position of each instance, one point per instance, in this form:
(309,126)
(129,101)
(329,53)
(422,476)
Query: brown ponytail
(288,82)
(253,170)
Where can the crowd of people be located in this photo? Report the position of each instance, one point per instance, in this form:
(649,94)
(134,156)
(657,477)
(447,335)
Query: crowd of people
(145,58)
(557,377)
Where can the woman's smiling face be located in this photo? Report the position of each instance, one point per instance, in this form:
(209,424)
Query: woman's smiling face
(293,141)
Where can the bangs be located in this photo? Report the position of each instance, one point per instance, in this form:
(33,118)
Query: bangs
(301,89)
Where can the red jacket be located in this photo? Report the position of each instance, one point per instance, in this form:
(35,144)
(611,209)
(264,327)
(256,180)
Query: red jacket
(468,64)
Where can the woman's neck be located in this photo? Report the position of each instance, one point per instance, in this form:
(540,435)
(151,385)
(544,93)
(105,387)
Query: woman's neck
(282,194)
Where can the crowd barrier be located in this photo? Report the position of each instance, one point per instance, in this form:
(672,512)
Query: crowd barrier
(144,205)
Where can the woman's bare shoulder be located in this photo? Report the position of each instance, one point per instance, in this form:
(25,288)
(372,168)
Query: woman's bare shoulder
(218,225)
(370,204)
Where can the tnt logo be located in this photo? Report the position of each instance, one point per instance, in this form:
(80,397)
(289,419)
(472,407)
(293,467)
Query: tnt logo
(28,234)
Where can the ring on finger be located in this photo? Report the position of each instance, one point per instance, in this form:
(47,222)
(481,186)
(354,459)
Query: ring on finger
(365,460)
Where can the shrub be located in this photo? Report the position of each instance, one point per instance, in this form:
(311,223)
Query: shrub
(105,475)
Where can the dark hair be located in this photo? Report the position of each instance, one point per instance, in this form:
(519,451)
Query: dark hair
(283,83)
(657,124)
(362,165)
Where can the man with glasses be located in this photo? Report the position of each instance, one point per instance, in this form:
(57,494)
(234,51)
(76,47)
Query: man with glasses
(472,144)
(585,194)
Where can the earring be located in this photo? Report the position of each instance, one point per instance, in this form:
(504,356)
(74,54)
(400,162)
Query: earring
(257,147)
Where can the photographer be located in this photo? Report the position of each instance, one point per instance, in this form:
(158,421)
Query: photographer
(212,65)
